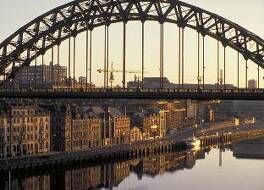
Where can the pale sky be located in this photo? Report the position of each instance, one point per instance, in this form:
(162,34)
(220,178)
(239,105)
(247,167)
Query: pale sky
(249,14)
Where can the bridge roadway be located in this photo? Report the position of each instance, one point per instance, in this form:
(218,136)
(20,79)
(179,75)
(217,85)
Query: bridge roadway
(133,93)
(126,151)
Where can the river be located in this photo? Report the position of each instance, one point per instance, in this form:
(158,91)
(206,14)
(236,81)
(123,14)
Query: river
(239,165)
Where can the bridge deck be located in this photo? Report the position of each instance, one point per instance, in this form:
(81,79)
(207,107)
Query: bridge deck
(99,93)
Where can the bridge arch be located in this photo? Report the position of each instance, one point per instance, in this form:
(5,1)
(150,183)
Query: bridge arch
(63,22)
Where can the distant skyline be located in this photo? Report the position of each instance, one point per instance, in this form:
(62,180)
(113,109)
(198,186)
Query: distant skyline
(249,14)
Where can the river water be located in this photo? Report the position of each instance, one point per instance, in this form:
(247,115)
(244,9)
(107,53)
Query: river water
(236,166)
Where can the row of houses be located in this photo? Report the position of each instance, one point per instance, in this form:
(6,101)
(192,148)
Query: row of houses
(37,129)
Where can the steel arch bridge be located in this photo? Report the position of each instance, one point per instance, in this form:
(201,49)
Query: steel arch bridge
(66,21)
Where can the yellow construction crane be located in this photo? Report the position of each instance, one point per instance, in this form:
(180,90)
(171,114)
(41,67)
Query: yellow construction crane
(112,71)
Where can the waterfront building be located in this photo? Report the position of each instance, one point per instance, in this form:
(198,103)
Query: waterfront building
(118,126)
(61,131)
(74,129)
(175,113)
(151,121)
(24,130)
(86,131)
(115,126)
(100,113)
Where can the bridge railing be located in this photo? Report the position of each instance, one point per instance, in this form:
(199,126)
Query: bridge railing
(131,90)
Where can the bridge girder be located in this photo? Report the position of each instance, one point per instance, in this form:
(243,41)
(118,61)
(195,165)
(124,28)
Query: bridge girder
(63,22)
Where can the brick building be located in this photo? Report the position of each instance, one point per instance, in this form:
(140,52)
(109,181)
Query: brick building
(74,128)
(61,131)
(115,126)
(151,121)
(176,115)
(86,131)
(119,125)
(24,130)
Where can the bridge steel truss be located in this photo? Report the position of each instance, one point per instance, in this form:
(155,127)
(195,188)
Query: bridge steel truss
(66,21)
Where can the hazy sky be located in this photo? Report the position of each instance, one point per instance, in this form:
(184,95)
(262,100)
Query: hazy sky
(249,14)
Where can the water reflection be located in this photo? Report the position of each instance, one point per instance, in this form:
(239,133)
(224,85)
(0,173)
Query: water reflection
(253,148)
(135,174)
